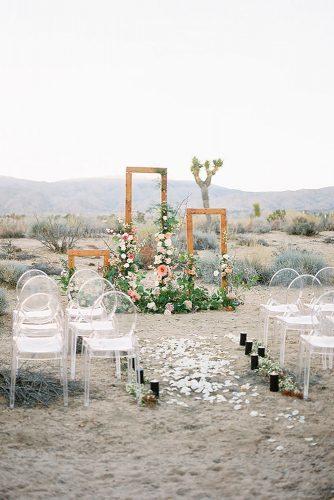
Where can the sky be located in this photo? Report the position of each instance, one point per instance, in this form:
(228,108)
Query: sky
(88,87)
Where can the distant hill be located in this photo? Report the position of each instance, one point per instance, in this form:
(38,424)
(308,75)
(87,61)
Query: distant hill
(105,195)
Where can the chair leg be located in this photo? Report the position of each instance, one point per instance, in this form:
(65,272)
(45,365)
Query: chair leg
(64,379)
(13,380)
(265,330)
(118,365)
(282,347)
(307,367)
(73,354)
(301,359)
(86,376)
(129,369)
(137,377)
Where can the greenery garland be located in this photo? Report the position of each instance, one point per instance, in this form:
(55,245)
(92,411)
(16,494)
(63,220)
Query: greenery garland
(174,290)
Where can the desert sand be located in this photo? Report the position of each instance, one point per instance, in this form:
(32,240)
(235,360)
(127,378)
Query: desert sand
(247,443)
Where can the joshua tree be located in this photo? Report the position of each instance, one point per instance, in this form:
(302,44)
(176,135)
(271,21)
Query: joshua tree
(256,210)
(204,183)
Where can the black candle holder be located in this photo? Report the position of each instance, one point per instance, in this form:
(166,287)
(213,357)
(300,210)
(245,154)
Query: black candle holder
(243,338)
(154,386)
(274,382)
(133,364)
(261,351)
(248,346)
(254,361)
(140,375)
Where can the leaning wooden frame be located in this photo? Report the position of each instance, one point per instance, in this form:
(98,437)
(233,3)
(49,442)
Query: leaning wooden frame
(223,229)
(128,186)
(71,254)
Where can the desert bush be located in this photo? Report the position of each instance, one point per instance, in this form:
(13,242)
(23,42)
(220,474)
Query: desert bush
(59,234)
(260,226)
(329,239)
(251,271)
(303,261)
(236,228)
(303,226)
(326,222)
(47,268)
(10,271)
(206,265)
(3,302)
(202,240)
(12,226)
(9,251)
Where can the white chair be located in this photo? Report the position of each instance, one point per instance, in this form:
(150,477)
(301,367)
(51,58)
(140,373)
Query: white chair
(326,278)
(40,283)
(25,277)
(302,290)
(78,278)
(276,304)
(50,344)
(80,325)
(320,341)
(117,339)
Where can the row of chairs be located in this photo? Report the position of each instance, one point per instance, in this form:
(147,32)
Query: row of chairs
(105,319)
(302,305)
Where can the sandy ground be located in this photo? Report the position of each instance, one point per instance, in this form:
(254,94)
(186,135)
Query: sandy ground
(184,447)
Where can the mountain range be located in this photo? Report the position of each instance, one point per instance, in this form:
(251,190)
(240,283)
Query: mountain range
(106,195)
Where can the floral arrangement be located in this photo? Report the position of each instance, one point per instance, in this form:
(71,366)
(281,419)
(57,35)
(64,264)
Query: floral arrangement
(174,290)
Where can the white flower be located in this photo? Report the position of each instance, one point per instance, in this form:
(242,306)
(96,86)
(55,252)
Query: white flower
(168,260)
(126,265)
(188,304)
(169,251)
(157,259)
(152,306)
(226,256)
(156,291)
(130,261)
(122,245)
(216,273)
(167,312)
(168,242)
(123,256)
(130,237)
(165,217)
(161,236)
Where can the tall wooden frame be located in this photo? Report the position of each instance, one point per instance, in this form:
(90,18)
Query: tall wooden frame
(128,186)
(223,229)
(71,254)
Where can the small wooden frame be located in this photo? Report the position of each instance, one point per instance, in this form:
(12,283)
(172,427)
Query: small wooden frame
(223,229)
(128,186)
(71,254)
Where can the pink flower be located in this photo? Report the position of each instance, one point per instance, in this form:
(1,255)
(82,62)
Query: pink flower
(162,270)
(169,307)
(133,295)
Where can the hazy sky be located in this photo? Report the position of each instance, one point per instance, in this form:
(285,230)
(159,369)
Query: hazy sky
(88,87)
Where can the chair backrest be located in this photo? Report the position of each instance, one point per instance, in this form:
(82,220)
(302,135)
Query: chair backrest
(326,277)
(89,293)
(279,283)
(39,284)
(303,290)
(120,311)
(38,309)
(78,278)
(25,277)
(323,314)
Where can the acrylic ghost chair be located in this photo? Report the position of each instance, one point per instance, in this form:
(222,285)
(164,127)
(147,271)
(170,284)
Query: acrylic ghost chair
(77,279)
(276,304)
(326,278)
(320,340)
(37,284)
(301,291)
(80,325)
(50,344)
(118,339)
(25,277)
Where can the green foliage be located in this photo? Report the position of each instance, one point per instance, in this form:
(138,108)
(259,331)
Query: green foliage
(10,271)
(277,215)
(302,226)
(303,261)
(3,302)
(210,168)
(256,210)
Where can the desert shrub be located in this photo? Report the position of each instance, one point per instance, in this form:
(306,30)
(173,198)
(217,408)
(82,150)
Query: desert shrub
(256,210)
(10,271)
(47,268)
(12,226)
(251,271)
(206,265)
(3,302)
(329,239)
(326,222)
(245,241)
(236,228)
(59,234)
(260,226)
(9,251)
(303,261)
(262,242)
(277,215)
(303,226)
(202,241)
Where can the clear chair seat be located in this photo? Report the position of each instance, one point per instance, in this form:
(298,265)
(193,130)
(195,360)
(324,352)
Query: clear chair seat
(73,312)
(297,320)
(39,345)
(320,341)
(279,308)
(100,326)
(109,344)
